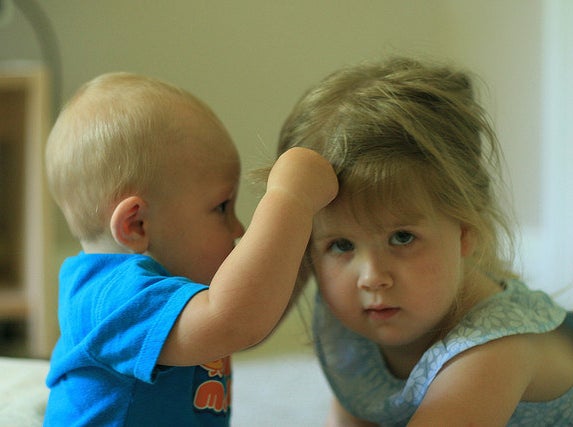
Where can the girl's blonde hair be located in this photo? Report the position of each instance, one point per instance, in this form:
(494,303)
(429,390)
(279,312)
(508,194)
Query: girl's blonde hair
(399,125)
(108,142)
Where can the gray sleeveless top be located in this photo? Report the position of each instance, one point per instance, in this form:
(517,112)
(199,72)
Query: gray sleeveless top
(362,383)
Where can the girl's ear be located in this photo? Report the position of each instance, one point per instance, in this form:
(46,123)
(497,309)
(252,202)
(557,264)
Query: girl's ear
(467,240)
(128,224)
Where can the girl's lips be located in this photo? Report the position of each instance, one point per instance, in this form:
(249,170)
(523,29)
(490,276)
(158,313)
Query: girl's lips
(381,312)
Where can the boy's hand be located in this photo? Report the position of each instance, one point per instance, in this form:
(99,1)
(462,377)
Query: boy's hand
(262,267)
(306,175)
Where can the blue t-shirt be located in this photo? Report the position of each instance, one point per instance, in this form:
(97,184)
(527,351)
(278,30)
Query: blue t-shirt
(115,312)
(364,385)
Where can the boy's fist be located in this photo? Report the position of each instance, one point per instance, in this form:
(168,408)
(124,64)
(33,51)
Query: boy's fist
(306,175)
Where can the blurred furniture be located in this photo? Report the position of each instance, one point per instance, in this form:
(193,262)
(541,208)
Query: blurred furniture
(24,205)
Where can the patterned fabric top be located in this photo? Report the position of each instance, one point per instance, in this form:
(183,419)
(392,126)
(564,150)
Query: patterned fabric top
(360,379)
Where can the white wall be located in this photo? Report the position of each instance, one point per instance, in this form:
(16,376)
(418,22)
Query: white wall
(250,60)
(548,245)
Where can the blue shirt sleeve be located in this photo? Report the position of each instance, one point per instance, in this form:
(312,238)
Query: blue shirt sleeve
(116,312)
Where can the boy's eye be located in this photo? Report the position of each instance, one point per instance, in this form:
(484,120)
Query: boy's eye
(401,238)
(222,208)
(341,246)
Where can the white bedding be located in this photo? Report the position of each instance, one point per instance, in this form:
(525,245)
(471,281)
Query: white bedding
(23,394)
(275,391)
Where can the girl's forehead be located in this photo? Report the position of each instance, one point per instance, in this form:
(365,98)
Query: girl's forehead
(375,214)
(406,194)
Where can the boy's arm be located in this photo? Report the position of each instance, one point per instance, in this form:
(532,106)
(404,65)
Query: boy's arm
(252,287)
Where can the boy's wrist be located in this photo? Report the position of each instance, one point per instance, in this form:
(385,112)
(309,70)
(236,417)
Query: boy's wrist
(288,199)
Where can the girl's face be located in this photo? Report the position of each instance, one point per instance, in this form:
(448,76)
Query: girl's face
(395,282)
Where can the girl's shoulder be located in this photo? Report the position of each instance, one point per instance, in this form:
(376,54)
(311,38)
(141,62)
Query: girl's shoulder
(531,321)
(553,372)
(519,340)
(516,310)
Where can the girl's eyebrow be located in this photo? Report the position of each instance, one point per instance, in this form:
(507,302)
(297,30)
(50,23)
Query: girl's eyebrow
(410,222)
(328,230)
(330,227)
(324,238)
(405,219)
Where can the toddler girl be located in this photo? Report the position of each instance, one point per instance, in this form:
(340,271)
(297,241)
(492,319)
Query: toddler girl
(419,319)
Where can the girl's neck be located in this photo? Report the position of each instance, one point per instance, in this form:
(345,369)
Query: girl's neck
(402,359)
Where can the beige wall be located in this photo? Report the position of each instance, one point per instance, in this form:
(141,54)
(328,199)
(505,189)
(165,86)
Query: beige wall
(252,59)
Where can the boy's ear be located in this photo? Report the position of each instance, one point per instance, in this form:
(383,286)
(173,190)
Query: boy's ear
(129,223)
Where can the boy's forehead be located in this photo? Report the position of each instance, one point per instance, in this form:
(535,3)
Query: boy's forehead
(209,157)
(199,148)
(199,169)
(204,134)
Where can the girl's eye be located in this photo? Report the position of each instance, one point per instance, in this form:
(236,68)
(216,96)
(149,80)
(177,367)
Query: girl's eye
(401,238)
(222,208)
(341,246)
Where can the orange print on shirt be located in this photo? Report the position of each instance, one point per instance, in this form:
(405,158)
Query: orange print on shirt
(219,368)
(215,394)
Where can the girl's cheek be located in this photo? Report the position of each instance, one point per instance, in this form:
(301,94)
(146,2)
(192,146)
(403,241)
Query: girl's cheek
(333,284)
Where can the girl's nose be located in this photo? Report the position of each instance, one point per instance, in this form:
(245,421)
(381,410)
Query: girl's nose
(374,276)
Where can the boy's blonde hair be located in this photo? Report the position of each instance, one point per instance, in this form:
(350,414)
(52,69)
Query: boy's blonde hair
(399,128)
(108,142)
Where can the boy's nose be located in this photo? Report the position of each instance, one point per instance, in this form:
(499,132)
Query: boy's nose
(373,276)
(238,229)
